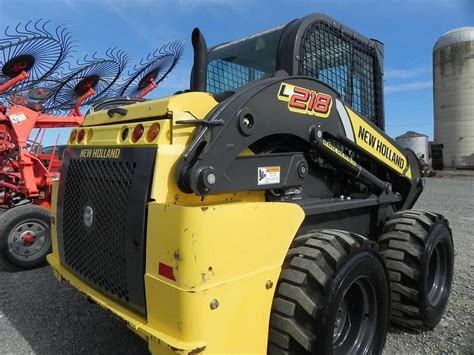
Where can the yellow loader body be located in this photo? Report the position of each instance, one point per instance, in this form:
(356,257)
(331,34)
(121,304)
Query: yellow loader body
(212,263)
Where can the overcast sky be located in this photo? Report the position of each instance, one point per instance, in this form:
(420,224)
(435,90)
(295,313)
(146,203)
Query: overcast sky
(408,28)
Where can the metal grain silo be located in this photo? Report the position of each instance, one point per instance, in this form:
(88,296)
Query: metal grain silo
(415,141)
(453,82)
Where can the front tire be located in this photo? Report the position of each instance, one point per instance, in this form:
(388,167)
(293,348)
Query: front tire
(25,235)
(418,252)
(332,297)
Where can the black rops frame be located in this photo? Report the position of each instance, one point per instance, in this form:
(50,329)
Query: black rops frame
(289,59)
(288,56)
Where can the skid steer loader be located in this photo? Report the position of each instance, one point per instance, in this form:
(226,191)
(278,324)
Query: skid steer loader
(262,210)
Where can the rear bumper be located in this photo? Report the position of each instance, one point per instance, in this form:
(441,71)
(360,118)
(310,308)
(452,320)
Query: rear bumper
(226,260)
(159,342)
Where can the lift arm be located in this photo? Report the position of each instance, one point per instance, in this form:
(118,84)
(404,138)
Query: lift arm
(305,111)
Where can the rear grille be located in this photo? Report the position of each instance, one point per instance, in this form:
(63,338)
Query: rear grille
(108,253)
(103,185)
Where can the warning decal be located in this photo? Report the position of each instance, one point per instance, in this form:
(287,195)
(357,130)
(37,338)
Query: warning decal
(268,175)
(18,118)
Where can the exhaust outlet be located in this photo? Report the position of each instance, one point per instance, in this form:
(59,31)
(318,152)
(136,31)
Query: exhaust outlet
(199,70)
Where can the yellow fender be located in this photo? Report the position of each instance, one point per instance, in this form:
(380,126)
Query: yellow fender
(226,260)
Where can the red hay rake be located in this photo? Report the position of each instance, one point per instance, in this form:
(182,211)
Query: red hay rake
(38,91)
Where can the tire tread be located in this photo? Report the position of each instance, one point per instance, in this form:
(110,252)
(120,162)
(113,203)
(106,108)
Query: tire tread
(309,267)
(401,246)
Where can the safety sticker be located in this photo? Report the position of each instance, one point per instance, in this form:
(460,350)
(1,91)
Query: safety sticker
(18,118)
(268,175)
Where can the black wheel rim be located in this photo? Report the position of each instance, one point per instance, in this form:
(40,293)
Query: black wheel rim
(355,323)
(437,275)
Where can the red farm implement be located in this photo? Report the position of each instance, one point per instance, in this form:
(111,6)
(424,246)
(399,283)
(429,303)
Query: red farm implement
(35,96)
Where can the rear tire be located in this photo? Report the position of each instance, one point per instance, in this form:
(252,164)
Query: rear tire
(25,235)
(332,297)
(418,252)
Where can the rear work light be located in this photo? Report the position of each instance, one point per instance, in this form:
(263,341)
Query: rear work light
(137,133)
(124,133)
(89,135)
(80,136)
(72,136)
(153,132)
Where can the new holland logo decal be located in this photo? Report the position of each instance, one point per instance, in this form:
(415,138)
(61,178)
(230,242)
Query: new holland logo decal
(101,153)
(374,143)
(305,101)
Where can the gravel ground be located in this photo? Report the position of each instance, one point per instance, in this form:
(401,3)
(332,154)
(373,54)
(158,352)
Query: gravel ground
(39,315)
